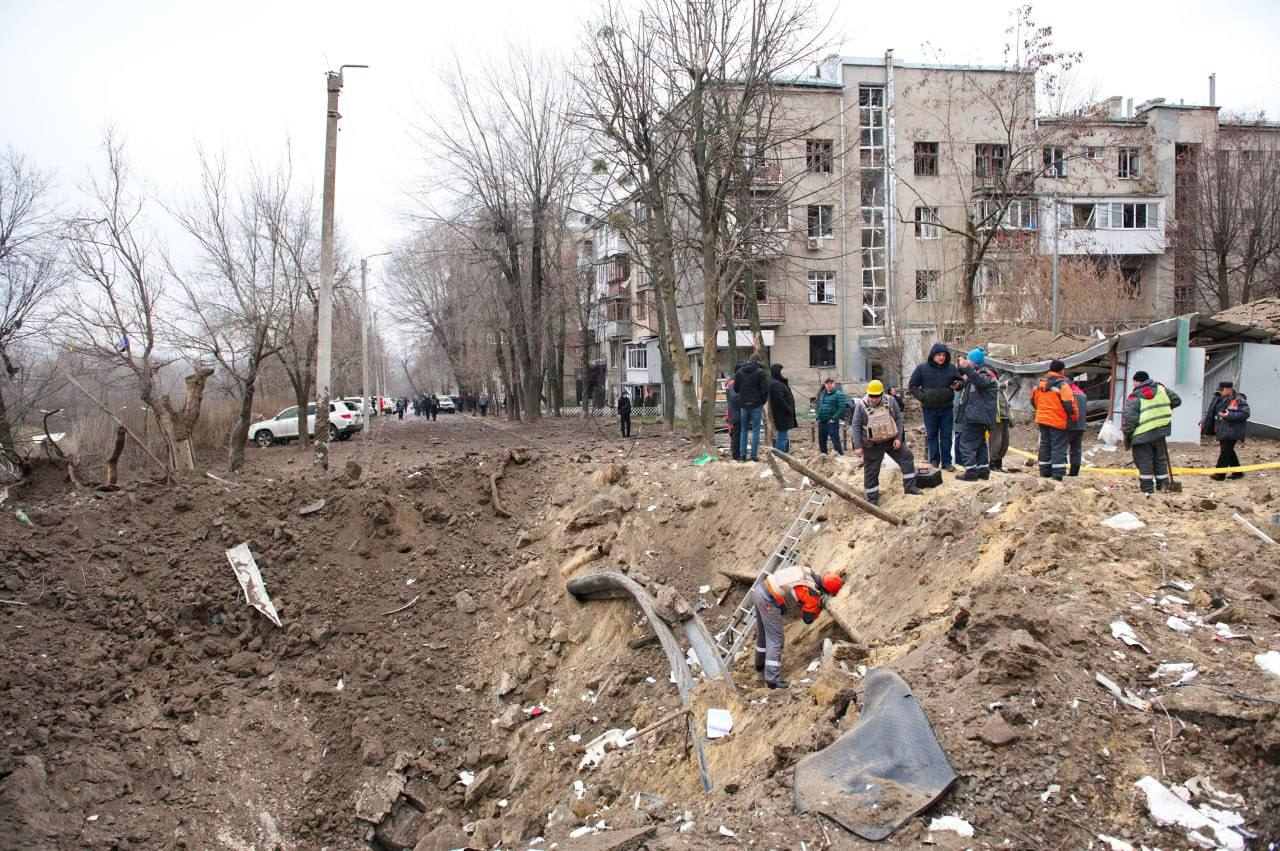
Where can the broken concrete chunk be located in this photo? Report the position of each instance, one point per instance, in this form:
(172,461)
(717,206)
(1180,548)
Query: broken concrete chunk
(446,837)
(997,732)
(480,786)
(377,796)
(465,603)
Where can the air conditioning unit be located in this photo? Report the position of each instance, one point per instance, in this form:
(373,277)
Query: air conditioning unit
(814,243)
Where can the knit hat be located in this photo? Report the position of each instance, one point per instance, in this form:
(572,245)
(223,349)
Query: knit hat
(1141,376)
(1224,385)
(1056,365)
(978,356)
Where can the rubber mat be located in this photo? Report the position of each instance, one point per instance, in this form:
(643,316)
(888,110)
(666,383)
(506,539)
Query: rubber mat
(885,770)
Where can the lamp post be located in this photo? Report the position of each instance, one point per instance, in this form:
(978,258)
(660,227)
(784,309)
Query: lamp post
(324,313)
(365,405)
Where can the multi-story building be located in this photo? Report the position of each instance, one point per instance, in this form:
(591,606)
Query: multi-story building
(903,201)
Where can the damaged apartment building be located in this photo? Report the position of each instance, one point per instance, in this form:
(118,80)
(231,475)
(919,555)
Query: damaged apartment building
(903,211)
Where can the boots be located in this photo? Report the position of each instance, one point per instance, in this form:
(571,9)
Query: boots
(1074,471)
(779,684)
(998,466)
(912,490)
(873,498)
(759,661)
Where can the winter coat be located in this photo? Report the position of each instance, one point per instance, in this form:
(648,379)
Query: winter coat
(1230,427)
(832,406)
(733,411)
(624,406)
(1133,417)
(978,398)
(1054,402)
(752,384)
(931,384)
(861,412)
(782,404)
(1082,408)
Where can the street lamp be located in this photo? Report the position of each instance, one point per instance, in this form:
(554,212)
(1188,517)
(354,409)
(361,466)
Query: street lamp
(364,340)
(324,313)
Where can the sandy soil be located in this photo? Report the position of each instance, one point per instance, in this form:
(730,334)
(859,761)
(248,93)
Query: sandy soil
(147,706)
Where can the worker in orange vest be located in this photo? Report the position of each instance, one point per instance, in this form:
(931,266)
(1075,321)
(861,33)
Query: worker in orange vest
(792,588)
(1055,406)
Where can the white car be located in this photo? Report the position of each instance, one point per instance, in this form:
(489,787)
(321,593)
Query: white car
(344,421)
(357,405)
(446,404)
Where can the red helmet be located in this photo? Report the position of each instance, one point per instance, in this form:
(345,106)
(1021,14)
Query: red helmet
(831,583)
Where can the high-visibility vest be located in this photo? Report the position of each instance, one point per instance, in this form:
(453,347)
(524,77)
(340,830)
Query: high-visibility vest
(1155,412)
(781,584)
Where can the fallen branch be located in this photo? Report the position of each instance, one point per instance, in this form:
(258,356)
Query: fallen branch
(51,444)
(402,608)
(114,459)
(665,719)
(837,488)
(119,422)
(1254,529)
(14,603)
(493,487)
(220,479)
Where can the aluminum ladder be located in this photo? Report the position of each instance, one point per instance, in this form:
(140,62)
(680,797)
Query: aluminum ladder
(730,640)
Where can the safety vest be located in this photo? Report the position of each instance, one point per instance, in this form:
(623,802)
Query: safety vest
(781,584)
(1155,412)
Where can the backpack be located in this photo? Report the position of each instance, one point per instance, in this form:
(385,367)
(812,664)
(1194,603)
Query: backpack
(881,426)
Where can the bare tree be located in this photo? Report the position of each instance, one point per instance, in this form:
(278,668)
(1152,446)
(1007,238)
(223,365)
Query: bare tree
(115,316)
(1228,227)
(29,269)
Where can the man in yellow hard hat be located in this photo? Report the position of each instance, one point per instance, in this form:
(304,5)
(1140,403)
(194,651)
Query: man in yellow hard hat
(877,431)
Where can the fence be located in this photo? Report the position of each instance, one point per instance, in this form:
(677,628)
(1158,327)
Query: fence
(638,412)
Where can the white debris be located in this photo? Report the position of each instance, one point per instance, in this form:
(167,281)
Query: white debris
(1269,662)
(1202,787)
(652,508)
(579,788)
(764,474)
(1127,697)
(703,589)
(1124,632)
(1180,584)
(581,831)
(952,823)
(719,723)
(724,831)
(1167,808)
(466,778)
(1177,624)
(595,749)
(575,737)
(1116,844)
(503,803)
(1184,671)
(1174,599)
(813,666)
(250,578)
(1225,631)
(1124,522)
(996,509)
(1053,789)
(340,686)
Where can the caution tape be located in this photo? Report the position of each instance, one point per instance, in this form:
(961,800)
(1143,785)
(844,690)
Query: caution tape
(1180,471)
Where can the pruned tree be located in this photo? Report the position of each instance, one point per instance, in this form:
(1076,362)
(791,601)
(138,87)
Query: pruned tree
(115,316)
(29,269)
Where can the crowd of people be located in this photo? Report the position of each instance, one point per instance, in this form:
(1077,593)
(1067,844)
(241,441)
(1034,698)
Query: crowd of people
(966,413)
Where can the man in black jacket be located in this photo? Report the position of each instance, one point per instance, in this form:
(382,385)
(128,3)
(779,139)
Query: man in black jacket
(624,413)
(782,406)
(1225,420)
(752,384)
(933,384)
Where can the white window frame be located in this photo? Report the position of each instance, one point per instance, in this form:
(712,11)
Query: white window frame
(827,228)
(637,356)
(822,287)
(1111,215)
(1128,163)
(928,223)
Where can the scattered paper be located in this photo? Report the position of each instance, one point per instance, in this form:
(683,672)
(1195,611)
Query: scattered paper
(1225,631)
(1173,599)
(996,509)
(1127,697)
(1167,808)
(1269,662)
(1124,522)
(1124,632)
(1184,671)
(595,749)
(952,823)
(466,778)
(1116,844)
(703,589)
(1177,624)
(724,831)
(719,723)
(255,592)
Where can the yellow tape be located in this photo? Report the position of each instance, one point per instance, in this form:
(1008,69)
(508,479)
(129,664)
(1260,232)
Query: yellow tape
(1180,471)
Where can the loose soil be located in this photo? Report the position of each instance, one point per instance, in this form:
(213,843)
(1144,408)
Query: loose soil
(147,706)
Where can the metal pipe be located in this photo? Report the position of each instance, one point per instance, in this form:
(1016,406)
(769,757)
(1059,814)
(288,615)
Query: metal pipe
(1057,226)
(844,238)
(1213,89)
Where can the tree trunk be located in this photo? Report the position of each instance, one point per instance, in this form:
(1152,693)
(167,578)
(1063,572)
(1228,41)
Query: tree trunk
(665,267)
(710,319)
(182,422)
(668,369)
(731,328)
(240,431)
(6,430)
(1223,280)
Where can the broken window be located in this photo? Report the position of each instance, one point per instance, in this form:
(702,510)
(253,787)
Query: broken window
(757,279)
(818,155)
(927,223)
(988,161)
(1018,213)
(1082,216)
(1131,273)
(822,351)
(927,284)
(822,288)
(875,288)
(871,126)
(821,220)
(1055,162)
(1127,167)
(769,211)
(1096,153)
(926,159)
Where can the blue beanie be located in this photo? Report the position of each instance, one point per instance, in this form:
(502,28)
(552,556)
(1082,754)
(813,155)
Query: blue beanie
(978,355)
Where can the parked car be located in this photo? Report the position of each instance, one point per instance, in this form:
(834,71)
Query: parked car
(356,404)
(446,405)
(344,421)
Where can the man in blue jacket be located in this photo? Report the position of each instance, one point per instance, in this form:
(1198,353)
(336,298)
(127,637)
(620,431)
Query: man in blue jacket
(933,384)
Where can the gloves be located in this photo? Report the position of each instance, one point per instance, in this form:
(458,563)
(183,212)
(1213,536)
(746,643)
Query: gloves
(809,618)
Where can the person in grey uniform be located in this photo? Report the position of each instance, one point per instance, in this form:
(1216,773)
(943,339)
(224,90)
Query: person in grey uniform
(878,431)
(791,588)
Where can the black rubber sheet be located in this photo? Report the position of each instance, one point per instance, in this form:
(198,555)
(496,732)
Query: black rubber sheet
(885,770)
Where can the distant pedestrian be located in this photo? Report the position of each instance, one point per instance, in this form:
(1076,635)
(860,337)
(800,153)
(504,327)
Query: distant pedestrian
(433,407)
(1147,422)
(733,415)
(877,431)
(1075,431)
(998,442)
(831,410)
(484,404)
(1055,406)
(933,384)
(979,402)
(624,413)
(400,408)
(1225,419)
(752,383)
(782,408)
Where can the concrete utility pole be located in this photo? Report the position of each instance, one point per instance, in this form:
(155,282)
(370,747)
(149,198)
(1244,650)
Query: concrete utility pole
(365,408)
(1057,226)
(324,324)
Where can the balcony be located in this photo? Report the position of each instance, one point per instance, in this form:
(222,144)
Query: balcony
(771,312)
(616,329)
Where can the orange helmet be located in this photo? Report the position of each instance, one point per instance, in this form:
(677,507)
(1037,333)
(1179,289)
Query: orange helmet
(831,583)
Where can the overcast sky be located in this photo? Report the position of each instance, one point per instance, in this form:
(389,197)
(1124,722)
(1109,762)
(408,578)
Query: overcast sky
(244,77)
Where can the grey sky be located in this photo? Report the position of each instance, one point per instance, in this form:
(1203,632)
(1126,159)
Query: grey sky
(245,76)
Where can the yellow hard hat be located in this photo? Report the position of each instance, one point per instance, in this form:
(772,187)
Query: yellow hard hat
(875,388)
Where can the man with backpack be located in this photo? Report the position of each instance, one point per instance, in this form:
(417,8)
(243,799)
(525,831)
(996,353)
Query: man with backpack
(877,431)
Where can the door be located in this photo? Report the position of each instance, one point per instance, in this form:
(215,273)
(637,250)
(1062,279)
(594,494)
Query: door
(286,423)
(311,419)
